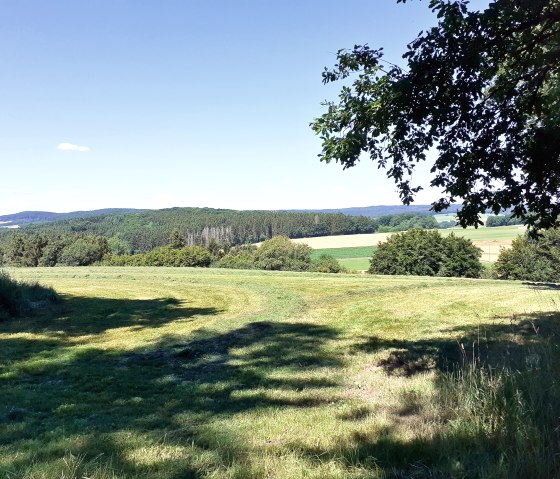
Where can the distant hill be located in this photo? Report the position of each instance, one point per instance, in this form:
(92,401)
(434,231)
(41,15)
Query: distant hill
(381,210)
(29,217)
(144,231)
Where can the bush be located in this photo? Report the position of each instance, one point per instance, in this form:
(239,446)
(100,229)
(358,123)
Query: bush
(278,254)
(84,251)
(239,257)
(164,256)
(17,298)
(426,253)
(281,254)
(326,264)
(531,259)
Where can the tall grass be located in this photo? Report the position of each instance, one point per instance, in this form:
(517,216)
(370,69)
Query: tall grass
(18,298)
(509,416)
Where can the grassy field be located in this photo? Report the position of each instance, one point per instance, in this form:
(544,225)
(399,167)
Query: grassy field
(352,259)
(207,373)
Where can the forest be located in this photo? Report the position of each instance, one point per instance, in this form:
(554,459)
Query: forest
(84,241)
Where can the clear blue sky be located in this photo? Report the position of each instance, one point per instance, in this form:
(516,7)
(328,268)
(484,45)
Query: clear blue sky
(182,102)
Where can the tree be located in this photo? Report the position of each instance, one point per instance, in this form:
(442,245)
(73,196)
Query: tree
(426,253)
(482,88)
(532,259)
(177,239)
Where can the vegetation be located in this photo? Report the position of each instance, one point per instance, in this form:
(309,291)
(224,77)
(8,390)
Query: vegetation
(532,259)
(112,238)
(209,373)
(143,232)
(278,254)
(426,253)
(504,220)
(165,256)
(352,258)
(483,87)
(18,298)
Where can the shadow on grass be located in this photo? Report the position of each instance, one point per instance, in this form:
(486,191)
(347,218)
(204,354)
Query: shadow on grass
(134,407)
(176,389)
(542,286)
(496,400)
(497,346)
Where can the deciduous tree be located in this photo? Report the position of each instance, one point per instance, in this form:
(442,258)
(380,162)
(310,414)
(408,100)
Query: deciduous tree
(482,88)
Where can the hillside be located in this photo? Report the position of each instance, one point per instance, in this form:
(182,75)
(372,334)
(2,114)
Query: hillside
(381,210)
(149,229)
(29,217)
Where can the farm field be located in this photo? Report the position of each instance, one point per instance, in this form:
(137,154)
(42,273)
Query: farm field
(205,373)
(489,240)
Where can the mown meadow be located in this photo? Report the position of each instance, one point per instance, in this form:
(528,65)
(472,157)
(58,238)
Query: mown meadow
(208,373)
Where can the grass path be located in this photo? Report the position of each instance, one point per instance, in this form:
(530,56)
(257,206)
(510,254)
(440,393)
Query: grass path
(207,373)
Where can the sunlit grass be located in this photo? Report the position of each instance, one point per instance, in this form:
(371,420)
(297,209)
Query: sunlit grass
(208,373)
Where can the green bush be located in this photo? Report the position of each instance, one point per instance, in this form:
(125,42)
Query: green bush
(282,254)
(17,298)
(530,259)
(164,256)
(84,251)
(426,253)
(239,257)
(326,264)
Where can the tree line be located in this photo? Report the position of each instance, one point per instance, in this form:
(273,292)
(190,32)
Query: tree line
(87,240)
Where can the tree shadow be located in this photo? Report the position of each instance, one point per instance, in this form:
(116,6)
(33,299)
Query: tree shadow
(181,383)
(81,316)
(542,286)
(510,370)
(498,345)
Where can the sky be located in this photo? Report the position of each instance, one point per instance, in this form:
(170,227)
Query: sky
(156,104)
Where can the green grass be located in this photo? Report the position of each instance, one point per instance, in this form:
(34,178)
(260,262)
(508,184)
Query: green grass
(344,253)
(205,373)
(352,259)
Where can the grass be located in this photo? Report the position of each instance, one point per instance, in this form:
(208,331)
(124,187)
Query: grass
(203,373)
(352,259)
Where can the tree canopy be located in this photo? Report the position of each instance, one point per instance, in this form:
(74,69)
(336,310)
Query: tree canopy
(481,88)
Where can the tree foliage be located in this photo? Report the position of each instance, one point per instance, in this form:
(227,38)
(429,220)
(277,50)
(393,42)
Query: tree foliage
(532,259)
(482,88)
(426,253)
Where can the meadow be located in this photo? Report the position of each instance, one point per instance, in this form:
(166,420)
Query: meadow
(206,373)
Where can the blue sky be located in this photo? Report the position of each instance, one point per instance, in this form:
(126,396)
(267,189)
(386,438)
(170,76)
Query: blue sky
(153,104)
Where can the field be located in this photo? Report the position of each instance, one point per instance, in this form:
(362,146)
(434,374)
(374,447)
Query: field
(206,373)
(352,259)
(350,249)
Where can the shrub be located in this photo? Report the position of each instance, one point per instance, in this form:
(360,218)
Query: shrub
(531,259)
(164,256)
(326,264)
(239,257)
(281,254)
(84,251)
(426,253)
(17,298)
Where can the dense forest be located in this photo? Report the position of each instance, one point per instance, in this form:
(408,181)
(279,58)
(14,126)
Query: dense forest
(82,241)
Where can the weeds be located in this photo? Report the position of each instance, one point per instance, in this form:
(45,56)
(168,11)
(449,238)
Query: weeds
(18,298)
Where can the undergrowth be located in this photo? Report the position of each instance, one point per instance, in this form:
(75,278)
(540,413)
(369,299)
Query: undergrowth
(18,298)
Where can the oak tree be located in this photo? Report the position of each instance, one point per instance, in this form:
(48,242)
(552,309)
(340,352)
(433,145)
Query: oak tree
(481,89)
